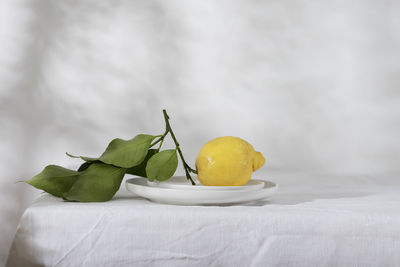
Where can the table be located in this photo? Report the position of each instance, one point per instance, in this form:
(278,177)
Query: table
(314,220)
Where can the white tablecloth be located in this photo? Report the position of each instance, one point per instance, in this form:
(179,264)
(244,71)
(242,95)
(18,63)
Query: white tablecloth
(314,220)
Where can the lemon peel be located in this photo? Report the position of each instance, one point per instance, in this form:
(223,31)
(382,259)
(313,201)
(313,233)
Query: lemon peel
(227,161)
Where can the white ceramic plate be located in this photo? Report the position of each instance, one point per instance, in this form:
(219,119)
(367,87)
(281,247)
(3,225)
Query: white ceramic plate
(181,182)
(140,187)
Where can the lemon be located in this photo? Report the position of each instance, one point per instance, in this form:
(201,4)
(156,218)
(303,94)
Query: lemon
(227,161)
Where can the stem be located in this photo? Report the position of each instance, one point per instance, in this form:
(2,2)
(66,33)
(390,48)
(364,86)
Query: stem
(185,165)
(161,139)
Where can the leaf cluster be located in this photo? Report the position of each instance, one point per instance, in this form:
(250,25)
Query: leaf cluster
(98,179)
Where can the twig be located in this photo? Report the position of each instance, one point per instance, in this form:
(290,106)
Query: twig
(185,165)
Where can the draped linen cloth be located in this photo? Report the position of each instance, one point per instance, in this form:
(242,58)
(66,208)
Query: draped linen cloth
(314,220)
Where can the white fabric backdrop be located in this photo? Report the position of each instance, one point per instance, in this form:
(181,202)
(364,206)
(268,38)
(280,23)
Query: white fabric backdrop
(313,85)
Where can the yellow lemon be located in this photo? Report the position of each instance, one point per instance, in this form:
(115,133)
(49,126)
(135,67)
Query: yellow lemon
(227,161)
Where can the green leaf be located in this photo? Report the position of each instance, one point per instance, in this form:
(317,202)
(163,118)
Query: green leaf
(162,165)
(99,182)
(85,165)
(127,154)
(88,159)
(140,170)
(54,180)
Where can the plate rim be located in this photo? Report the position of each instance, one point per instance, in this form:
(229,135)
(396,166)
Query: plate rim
(260,185)
(179,196)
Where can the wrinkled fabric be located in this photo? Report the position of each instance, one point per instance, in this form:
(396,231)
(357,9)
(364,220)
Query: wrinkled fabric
(314,220)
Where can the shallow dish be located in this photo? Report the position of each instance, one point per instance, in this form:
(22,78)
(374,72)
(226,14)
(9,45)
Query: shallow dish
(181,182)
(140,187)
